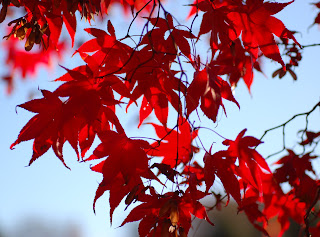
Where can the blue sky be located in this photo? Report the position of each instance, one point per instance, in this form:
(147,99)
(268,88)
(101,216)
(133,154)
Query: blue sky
(48,191)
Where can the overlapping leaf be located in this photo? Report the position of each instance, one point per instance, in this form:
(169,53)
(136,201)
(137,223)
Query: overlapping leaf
(149,74)
(44,19)
(77,121)
(208,87)
(255,23)
(160,212)
(222,165)
(215,20)
(177,37)
(240,63)
(252,166)
(126,163)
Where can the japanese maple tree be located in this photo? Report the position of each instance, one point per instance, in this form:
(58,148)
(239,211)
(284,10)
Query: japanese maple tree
(184,73)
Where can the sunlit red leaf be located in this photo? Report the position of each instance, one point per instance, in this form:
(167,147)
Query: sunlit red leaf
(126,163)
(256,25)
(169,148)
(210,89)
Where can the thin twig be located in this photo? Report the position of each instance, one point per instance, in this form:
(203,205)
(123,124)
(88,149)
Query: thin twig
(283,125)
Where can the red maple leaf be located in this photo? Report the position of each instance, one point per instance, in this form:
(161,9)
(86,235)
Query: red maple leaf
(168,214)
(166,170)
(210,88)
(215,20)
(175,147)
(310,137)
(317,19)
(27,63)
(287,208)
(252,166)
(177,37)
(126,163)
(76,120)
(255,23)
(149,74)
(44,126)
(275,204)
(293,168)
(196,170)
(220,164)
(240,64)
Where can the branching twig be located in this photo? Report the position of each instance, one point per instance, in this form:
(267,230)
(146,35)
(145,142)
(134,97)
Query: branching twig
(283,125)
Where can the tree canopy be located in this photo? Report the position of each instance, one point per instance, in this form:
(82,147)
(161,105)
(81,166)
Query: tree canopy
(186,74)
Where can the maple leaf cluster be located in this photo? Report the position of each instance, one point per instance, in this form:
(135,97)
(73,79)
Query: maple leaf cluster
(43,20)
(27,63)
(149,73)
